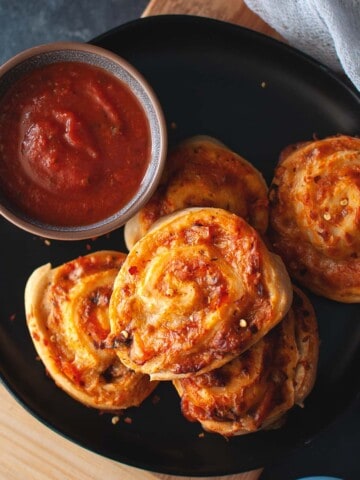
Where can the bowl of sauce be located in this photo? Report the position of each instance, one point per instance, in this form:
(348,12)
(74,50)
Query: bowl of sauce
(82,141)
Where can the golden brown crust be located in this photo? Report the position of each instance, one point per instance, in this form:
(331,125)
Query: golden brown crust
(67,316)
(315,215)
(307,341)
(202,172)
(194,292)
(256,390)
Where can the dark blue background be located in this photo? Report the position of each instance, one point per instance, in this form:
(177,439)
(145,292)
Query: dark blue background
(23,24)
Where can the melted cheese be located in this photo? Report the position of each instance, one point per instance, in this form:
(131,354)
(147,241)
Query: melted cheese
(67,316)
(255,390)
(202,172)
(184,288)
(315,215)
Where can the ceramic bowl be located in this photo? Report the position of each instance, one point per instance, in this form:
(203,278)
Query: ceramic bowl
(40,56)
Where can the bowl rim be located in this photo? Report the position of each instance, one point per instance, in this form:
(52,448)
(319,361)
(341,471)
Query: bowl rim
(118,219)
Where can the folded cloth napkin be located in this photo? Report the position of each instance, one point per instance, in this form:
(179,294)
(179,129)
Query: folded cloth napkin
(328,30)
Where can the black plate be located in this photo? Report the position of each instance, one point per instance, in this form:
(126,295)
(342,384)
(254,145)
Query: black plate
(257,96)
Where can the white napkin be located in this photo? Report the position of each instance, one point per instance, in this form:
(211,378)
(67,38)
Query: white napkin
(328,30)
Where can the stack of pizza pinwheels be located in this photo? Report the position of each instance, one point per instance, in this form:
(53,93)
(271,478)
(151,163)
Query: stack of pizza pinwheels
(204,298)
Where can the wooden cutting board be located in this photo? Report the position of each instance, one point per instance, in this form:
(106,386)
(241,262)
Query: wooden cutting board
(30,450)
(233,11)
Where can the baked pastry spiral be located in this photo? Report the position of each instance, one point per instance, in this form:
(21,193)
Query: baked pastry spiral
(255,390)
(315,215)
(197,290)
(202,172)
(67,316)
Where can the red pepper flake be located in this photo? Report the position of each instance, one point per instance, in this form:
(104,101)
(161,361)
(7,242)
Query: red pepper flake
(128,420)
(155,399)
(72,372)
(88,247)
(133,270)
(12,317)
(36,336)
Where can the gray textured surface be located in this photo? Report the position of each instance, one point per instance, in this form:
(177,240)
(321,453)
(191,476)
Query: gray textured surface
(24,24)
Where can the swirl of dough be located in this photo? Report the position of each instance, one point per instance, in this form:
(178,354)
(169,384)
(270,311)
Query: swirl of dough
(256,390)
(202,172)
(67,316)
(199,288)
(315,215)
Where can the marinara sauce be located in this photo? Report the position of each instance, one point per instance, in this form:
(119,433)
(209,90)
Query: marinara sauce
(74,144)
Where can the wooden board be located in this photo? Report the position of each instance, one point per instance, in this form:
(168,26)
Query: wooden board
(233,11)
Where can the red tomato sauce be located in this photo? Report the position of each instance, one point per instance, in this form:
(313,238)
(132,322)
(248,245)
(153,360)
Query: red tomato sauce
(74,144)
